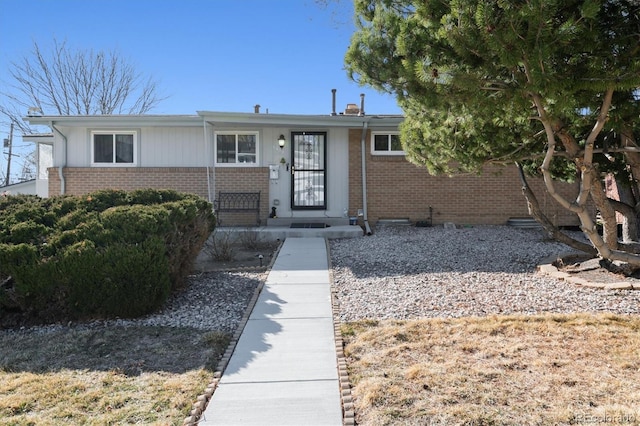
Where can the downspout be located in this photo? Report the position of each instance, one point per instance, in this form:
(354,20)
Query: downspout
(64,157)
(206,155)
(367,228)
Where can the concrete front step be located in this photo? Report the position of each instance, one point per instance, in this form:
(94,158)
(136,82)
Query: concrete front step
(274,233)
(287,221)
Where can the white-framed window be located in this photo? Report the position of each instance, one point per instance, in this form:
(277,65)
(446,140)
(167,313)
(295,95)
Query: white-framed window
(113,148)
(236,148)
(386,143)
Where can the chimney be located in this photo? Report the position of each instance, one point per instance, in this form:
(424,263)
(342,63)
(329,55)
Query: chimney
(352,109)
(333,101)
(361,104)
(256,109)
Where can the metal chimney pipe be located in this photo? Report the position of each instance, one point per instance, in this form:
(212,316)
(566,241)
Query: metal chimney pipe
(333,102)
(361,104)
(256,109)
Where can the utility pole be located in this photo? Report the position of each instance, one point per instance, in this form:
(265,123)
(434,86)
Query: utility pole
(7,144)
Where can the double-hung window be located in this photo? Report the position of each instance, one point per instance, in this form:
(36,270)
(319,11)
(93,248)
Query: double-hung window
(237,148)
(113,148)
(386,143)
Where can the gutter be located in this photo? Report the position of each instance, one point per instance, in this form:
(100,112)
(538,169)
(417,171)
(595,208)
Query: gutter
(64,157)
(367,228)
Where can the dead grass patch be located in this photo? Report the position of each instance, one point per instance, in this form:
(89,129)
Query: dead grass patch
(105,375)
(501,370)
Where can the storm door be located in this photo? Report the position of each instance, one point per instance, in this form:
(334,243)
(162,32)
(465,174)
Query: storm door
(308,171)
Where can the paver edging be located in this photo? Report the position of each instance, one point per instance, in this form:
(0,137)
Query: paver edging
(547,268)
(203,399)
(346,398)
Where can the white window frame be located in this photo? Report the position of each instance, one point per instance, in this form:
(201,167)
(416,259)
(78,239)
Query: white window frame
(374,151)
(134,133)
(236,133)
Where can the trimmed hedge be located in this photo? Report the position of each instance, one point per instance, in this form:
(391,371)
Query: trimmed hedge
(105,254)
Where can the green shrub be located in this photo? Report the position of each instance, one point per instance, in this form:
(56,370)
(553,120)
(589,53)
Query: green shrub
(121,280)
(35,286)
(108,253)
(99,201)
(193,222)
(16,211)
(155,196)
(28,232)
(135,223)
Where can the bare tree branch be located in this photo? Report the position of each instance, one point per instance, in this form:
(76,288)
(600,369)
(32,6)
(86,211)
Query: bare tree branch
(79,82)
(64,81)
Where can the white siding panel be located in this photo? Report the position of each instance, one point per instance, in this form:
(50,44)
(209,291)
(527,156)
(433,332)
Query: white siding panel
(78,146)
(172,147)
(337,172)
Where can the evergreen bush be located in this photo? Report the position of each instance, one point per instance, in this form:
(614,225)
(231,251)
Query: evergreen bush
(104,254)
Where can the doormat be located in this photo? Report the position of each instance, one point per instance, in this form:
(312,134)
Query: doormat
(309,225)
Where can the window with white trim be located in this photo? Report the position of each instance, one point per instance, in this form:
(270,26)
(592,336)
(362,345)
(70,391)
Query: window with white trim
(236,148)
(113,148)
(386,143)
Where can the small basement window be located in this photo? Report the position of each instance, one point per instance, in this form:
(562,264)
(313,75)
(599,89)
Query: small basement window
(387,143)
(236,148)
(113,148)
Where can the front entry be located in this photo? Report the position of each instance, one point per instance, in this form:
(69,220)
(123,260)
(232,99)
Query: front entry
(308,171)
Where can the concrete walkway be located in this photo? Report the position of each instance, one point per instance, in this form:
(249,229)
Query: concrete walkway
(284,368)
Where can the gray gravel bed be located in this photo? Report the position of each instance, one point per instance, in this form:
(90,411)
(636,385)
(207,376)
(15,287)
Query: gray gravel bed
(404,272)
(213,301)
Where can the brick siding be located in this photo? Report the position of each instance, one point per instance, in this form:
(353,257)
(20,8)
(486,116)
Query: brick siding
(81,180)
(398,189)
(244,179)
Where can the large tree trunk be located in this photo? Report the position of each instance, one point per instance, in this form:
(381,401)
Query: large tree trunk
(542,219)
(588,170)
(607,213)
(625,207)
(632,196)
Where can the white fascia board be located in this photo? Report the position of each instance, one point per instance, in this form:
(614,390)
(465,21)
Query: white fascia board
(218,118)
(117,120)
(293,120)
(39,138)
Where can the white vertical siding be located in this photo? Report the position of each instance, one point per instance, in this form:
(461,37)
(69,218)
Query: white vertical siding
(337,171)
(171,147)
(157,147)
(185,147)
(78,146)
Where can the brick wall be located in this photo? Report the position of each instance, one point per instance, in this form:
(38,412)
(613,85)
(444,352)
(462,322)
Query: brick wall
(81,180)
(398,189)
(244,179)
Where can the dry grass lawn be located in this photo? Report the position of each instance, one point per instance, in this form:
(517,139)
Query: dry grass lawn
(510,370)
(105,375)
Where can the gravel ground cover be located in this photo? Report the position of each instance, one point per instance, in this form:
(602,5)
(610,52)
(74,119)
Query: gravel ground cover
(403,272)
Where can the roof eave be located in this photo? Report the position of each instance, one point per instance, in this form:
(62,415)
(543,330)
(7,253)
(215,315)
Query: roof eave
(296,120)
(115,120)
(218,118)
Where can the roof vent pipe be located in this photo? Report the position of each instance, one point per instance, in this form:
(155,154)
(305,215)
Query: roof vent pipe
(256,109)
(361,104)
(333,102)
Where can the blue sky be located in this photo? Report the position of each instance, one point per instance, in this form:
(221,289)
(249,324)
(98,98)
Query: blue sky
(216,55)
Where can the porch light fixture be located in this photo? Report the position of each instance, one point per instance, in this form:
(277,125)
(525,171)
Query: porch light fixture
(281,141)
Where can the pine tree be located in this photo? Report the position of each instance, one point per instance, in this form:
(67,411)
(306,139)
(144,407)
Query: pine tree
(549,84)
